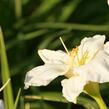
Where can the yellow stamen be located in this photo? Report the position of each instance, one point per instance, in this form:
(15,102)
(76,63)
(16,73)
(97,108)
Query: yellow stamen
(83,59)
(76,59)
(74,52)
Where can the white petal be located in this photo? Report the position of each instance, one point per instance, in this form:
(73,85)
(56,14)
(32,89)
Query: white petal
(50,56)
(72,88)
(97,70)
(91,45)
(106,47)
(108,2)
(43,75)
(1,104)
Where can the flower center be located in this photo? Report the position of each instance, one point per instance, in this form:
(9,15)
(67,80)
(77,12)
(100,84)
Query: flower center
(74,52)
(76,59)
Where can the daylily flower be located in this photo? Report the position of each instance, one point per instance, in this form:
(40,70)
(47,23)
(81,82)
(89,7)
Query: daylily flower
(87,62)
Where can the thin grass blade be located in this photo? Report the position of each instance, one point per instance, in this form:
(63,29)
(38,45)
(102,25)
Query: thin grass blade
(17,99)
(5,73)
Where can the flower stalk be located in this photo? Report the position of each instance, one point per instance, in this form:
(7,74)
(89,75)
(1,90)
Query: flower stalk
(92,89)
(100,102)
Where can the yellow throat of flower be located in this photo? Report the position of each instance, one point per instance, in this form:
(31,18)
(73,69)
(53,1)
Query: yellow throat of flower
(74,52)
(76,60)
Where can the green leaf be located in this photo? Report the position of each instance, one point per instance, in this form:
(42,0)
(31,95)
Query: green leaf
(31,35)
(57,97)
(48,96)
(17,99)
(18,8)
(73,26)
(69,9)
(8,96)
(45,7)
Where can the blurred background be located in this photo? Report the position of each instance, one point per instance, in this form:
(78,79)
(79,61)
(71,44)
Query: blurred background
(29,25)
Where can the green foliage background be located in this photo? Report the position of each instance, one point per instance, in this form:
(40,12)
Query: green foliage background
(29,25)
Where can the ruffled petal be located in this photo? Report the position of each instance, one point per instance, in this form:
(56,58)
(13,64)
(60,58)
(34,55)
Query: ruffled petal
(50,56)
(72,88)
(43,75)
(91,45)
(97,70)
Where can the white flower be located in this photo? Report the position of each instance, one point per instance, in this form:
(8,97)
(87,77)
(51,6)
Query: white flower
(87,62)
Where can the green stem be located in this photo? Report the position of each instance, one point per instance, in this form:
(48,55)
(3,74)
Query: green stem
(92,89)
(100,102)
